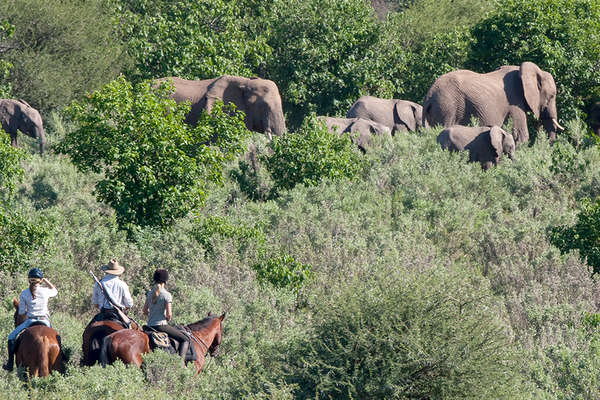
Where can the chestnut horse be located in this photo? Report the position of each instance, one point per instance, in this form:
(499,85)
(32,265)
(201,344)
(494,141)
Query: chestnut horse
(128,345)
(38,348)
(92,337)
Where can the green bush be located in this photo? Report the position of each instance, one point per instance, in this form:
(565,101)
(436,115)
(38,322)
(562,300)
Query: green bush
(156,168)
(311,155)
(282,272)
(438,335)
(584,235)
(6,33)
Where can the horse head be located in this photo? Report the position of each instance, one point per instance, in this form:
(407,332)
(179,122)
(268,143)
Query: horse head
(213,349)
(17,317)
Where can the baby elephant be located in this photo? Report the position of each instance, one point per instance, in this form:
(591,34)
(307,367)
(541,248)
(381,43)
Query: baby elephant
(361,130)
(485,144)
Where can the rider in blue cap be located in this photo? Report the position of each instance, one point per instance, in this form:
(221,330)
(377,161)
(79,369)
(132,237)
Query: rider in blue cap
(33,302)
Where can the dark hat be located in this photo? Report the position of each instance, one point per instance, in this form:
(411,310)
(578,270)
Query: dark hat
(161,276)
(35,273)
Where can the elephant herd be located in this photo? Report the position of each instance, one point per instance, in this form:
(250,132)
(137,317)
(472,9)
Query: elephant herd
(455,100)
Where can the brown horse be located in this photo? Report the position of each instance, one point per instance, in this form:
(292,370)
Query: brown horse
(38,348)
(92,337)
(128,345)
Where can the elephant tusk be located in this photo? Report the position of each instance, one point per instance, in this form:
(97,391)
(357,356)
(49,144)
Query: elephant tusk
(557,124)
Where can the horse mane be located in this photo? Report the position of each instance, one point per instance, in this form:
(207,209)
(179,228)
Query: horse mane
(202,323)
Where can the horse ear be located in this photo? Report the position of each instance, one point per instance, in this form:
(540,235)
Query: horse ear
(222,317)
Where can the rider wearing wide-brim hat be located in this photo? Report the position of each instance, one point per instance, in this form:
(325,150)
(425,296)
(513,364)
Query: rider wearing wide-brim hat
(33,302)
(117,290)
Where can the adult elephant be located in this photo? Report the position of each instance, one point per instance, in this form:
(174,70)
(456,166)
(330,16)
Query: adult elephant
(509,91)
(17,115)
(485,144)
(398,115)
(258,98)
(361,130)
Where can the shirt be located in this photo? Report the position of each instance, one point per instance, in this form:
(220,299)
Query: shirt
(38,307)
(156,311)
(117,290)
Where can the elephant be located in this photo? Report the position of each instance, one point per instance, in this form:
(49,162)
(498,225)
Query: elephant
(398,115)
(17,115)
(594,118)
(485,144)
(360,129)
(258,98)
(509,91)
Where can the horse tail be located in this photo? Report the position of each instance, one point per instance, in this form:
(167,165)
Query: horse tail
(104,351)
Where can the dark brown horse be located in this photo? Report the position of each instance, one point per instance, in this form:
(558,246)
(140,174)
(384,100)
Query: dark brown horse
(38,348)
(93,335)
(128,345)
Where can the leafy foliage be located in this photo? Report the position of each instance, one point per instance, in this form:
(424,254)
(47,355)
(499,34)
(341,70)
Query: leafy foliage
(324,55)
(584,235)
(311,155)
(189,39)
(408,336)
(283,272)
(156,168)
(61,49)
(560,36)
(21,236)
(6,33)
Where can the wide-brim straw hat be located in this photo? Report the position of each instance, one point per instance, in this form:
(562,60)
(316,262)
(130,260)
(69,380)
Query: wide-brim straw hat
(113,267)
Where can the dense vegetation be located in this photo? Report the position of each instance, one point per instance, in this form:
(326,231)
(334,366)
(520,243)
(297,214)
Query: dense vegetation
(400,273)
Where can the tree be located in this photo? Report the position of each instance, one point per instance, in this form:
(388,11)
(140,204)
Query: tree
(60,50)
(324,55)
(189,39)
(6,33)
(560,36)
(155,167)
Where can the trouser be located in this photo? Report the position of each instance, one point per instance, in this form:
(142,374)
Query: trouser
(176,334)
(26,324)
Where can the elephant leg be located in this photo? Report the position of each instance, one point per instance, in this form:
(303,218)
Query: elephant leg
(520,131)
(13,140)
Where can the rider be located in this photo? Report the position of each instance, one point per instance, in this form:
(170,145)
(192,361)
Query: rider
(117,290)
(159,311)
(33,301)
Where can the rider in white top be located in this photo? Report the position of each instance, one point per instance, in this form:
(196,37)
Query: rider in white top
(33,302)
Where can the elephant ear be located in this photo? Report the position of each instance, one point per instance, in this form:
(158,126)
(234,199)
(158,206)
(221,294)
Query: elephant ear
(227,88)
(496,136)
(406,113)
(531,77)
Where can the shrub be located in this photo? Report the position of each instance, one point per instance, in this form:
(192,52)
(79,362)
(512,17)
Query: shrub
(282,272)
(6,33)
(405,335)
(584,235)
(311,155)
(156,168)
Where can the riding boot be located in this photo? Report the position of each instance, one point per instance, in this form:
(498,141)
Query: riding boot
(11,356)
(183,348)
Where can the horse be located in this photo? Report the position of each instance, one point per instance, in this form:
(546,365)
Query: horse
(93,335)
(38,348)
(128,345)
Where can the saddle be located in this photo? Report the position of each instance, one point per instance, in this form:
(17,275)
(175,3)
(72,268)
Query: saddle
(164,342)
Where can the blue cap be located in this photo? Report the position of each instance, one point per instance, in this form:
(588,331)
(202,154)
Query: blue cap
(35,273)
